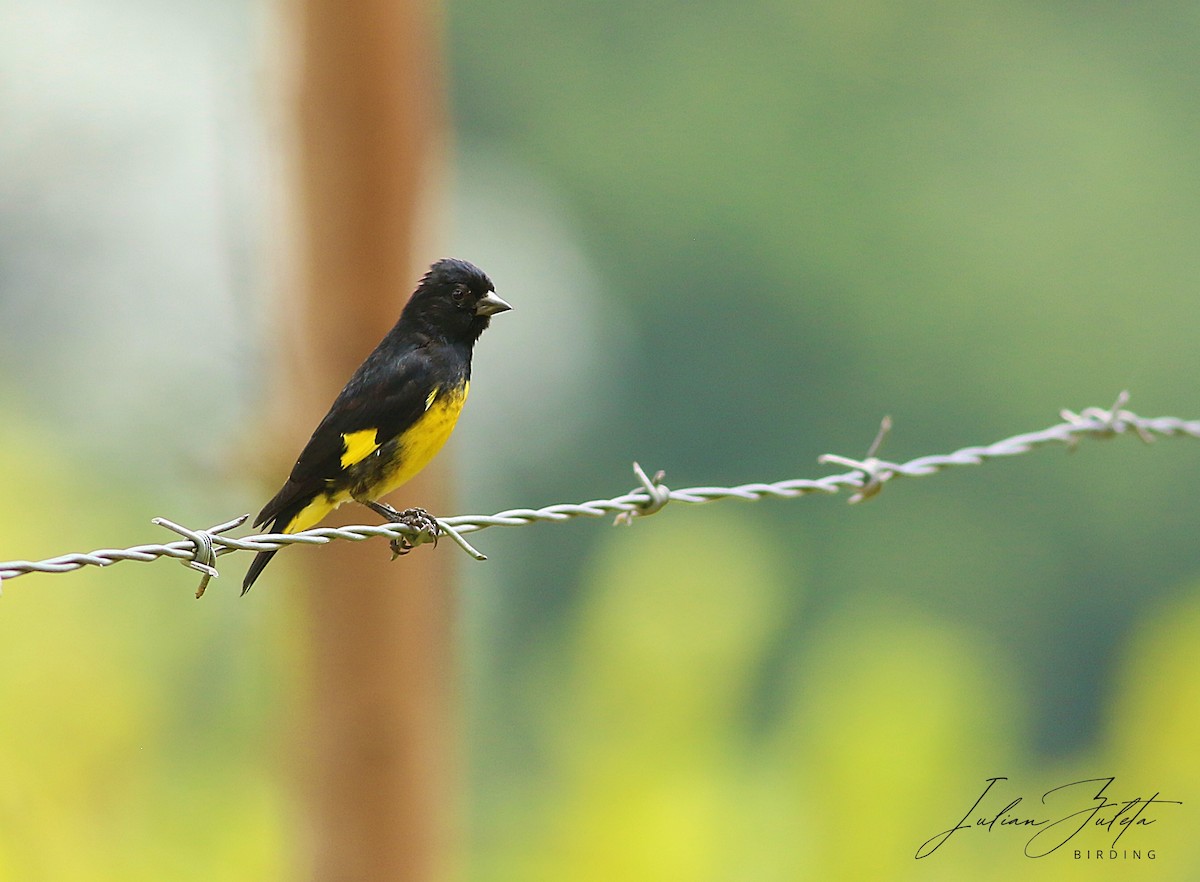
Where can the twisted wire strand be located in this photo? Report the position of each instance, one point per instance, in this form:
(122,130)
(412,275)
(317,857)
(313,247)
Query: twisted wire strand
(866,477)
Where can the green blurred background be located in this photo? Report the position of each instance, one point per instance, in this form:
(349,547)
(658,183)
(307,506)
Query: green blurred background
(736,236)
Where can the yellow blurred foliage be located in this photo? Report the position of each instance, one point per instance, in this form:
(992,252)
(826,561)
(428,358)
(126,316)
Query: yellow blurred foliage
(134,728)
(889,722)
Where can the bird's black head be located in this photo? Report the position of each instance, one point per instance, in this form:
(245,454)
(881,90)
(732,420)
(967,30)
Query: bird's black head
(455,301)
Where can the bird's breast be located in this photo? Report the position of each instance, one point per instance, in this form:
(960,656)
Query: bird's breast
(412,450)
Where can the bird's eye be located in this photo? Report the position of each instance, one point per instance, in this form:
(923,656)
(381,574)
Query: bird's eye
(459,294)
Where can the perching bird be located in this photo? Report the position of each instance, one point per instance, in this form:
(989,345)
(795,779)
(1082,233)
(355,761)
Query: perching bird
(395,413)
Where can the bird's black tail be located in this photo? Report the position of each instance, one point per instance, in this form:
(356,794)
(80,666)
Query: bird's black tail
(280,513)
(256,566)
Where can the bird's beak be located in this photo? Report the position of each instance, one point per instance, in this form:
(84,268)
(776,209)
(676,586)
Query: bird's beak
(490,304)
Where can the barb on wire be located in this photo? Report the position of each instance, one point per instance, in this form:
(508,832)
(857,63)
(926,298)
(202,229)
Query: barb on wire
(658,493)
(875,471)
(200,548)
(204,554)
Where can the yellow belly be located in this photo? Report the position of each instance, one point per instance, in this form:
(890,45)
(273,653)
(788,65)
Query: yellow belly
(313,513)
(413,451)
(425,438)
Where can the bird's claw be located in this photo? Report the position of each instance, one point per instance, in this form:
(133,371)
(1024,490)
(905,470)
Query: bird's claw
(426,526)
(420,520)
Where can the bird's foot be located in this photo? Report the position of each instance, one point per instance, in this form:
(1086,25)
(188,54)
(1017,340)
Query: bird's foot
(420,520)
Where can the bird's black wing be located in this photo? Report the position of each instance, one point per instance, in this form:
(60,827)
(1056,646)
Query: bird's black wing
(387,394)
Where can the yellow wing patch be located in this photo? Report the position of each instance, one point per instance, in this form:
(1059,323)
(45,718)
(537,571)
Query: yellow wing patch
(358,446)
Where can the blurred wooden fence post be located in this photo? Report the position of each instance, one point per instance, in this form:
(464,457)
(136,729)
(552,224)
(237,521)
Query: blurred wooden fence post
(378,759)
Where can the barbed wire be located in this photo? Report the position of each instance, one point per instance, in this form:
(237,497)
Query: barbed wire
(199,549)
